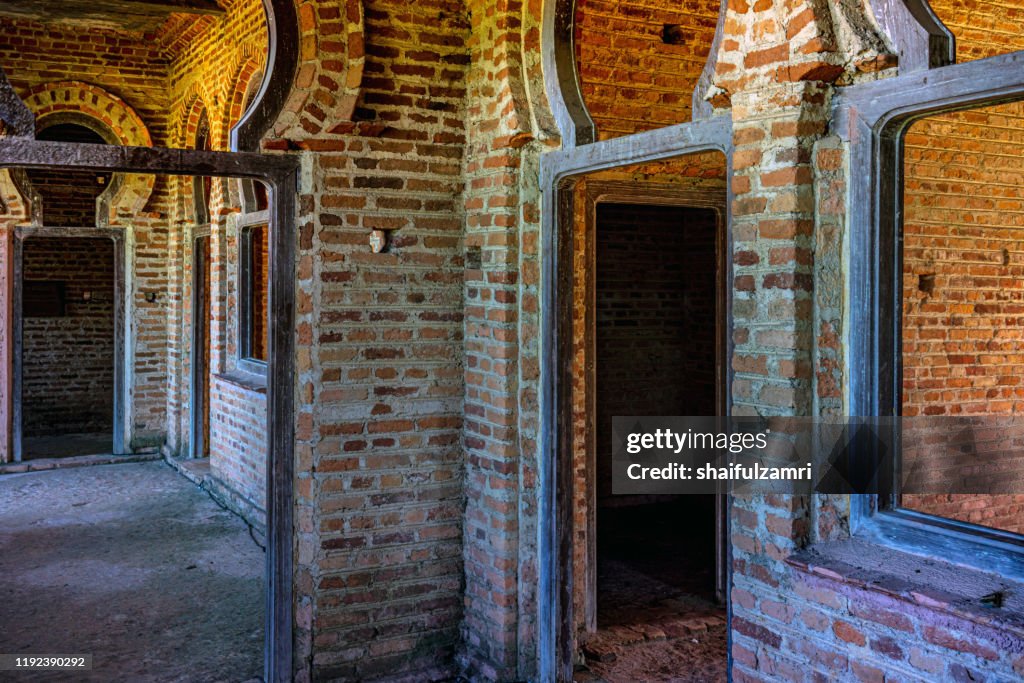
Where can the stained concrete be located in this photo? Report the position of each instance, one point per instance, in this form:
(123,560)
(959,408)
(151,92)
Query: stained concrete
(133,564)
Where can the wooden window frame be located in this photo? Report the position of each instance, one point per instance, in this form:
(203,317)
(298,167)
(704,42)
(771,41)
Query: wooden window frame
(246,224)
(280,173)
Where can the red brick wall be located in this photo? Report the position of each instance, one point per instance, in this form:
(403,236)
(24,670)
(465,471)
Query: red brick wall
(982,28)
(68,366)
(238,438)
(631,79)
(68,197)
(380,359)
(212,60)
(135,70)
(132,68)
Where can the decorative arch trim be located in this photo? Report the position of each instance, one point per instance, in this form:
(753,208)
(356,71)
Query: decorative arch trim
(284,38)
(185,121)
(110,117)
(123,122)
(323,95)
(920,39)
(190,123)
(249,64)
(17,119)
(700,107)
(561,75)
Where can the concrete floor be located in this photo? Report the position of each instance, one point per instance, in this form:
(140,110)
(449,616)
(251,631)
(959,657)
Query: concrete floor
(133,564)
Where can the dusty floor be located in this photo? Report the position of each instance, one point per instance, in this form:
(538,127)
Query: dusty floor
(133,564)
(656,611)
(67,445)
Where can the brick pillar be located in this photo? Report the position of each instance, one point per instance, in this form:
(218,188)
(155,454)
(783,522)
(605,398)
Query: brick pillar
(493,216)
(776,67)
(773,233)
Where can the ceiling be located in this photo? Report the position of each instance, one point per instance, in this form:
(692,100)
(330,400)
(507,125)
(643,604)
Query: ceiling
(137,16)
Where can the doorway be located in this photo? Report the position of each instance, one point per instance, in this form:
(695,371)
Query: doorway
(651,337)
(279,172)
(68,346)
(202,310)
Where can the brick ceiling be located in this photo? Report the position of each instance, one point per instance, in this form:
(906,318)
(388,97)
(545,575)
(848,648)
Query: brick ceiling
(136,16)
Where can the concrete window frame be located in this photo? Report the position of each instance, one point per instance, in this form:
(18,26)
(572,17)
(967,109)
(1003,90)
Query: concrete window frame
(873,119)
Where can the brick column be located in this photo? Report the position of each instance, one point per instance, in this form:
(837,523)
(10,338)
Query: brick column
(773,233)
(497,133)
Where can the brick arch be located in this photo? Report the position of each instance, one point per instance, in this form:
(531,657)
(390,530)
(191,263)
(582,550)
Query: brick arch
(116,114)
(116,121)
(186,121)
(248,72)
(186,136)
(329,76)
(248,65)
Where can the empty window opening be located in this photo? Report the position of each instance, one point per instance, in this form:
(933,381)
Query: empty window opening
(961,326)
(68,324)
(255,286)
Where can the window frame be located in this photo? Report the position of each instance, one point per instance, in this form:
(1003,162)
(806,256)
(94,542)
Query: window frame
(874,118)
(246,223)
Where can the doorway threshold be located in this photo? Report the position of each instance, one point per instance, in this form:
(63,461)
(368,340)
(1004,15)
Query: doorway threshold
(75,461)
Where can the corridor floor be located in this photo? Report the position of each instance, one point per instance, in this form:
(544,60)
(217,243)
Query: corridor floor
(133,564)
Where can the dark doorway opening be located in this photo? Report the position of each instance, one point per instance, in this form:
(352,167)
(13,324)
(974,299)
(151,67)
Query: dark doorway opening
(68,328)
(658,326)
(202,310)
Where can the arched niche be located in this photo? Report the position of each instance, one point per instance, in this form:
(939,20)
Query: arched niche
(113,120)
(279,76)
(563,83)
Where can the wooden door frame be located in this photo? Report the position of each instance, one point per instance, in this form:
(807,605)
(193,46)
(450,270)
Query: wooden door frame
(598,192)
(281,174)
(200,334)
(558,171)
(117,237)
